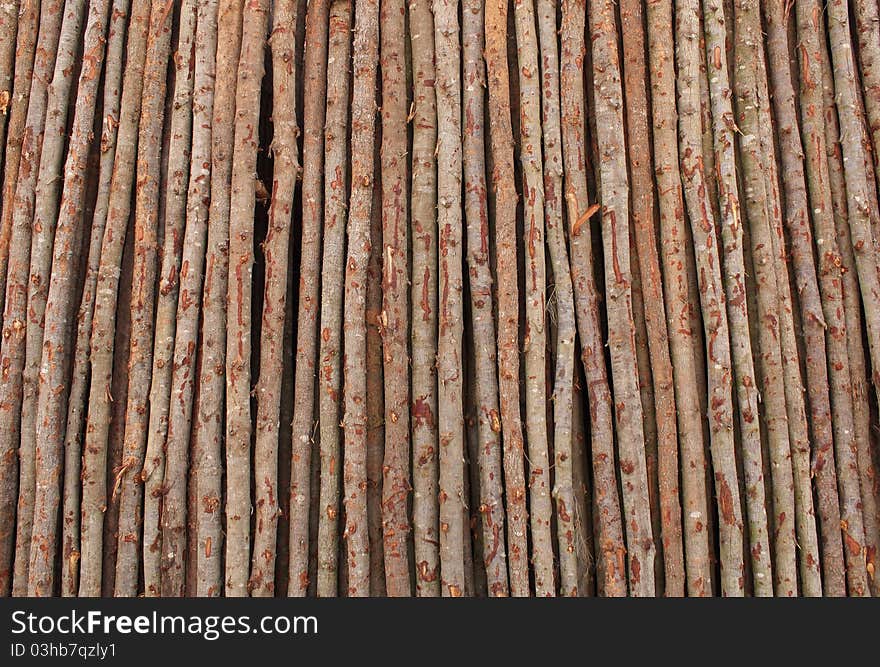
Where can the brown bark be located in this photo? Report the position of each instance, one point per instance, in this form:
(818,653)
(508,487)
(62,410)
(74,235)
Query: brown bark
(795,400)
(79,383)
(861,221)
(285,416)
(52,397)
(851,300)
(135,471)
(673,233)
(332,291)
(365,55)
(609,536)
(867,27)
(15,319)
(714,349)
(210,404)
(162,574)
(642,196)
(831,277)
(94,491)
(314,511)
(855,346)
(733,271)
(470,539)
(375,391)
(255,23)
(424,293)
(449,351)
(646,391)
(303,428)
(711,174)
(275,248)
(174,513)
(395,298)
(618,279)
(9,10)
(504,187)
(486,464)
(563,382)
(694,308)
(16,108)
(697,323)
(535,335)
(791,349)
(116,433)
(749,69)
(582,521)
(791,353)
(718,354)
(45,216)
(811,306)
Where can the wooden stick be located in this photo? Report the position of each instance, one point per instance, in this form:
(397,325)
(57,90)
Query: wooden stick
(332,292)
(395,298)
(449,348)
(615,237)
(174,514)
(56,341)
(212,380)
(255,23)
(315,80)
(487,462)
(365,52)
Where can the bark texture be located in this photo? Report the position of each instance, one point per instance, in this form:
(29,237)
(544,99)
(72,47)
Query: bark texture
(255,23)
(618,287)
(504,187)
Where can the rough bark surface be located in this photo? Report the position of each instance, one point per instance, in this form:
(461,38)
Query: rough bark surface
(174,511)
(15,318)
(79,383)
(645,224)
(375,391)
(862,220)
(332,291)
(43,224)
(255,23)
(618,281)
(733,271)
(9,11)
(275,249)
(535,295)
(504,188)
(711,290)
(160,490)
(394,318)
(867,29)
(674,237)
(411,299)
(423,215)
(211,399)
(748,70)
(15,107)
(134,469)
(52,396)
(450,369)
(365,55)
(303,427)
(611,560)
(490,507)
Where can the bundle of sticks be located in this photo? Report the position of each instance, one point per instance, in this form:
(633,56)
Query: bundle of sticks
(435,297)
